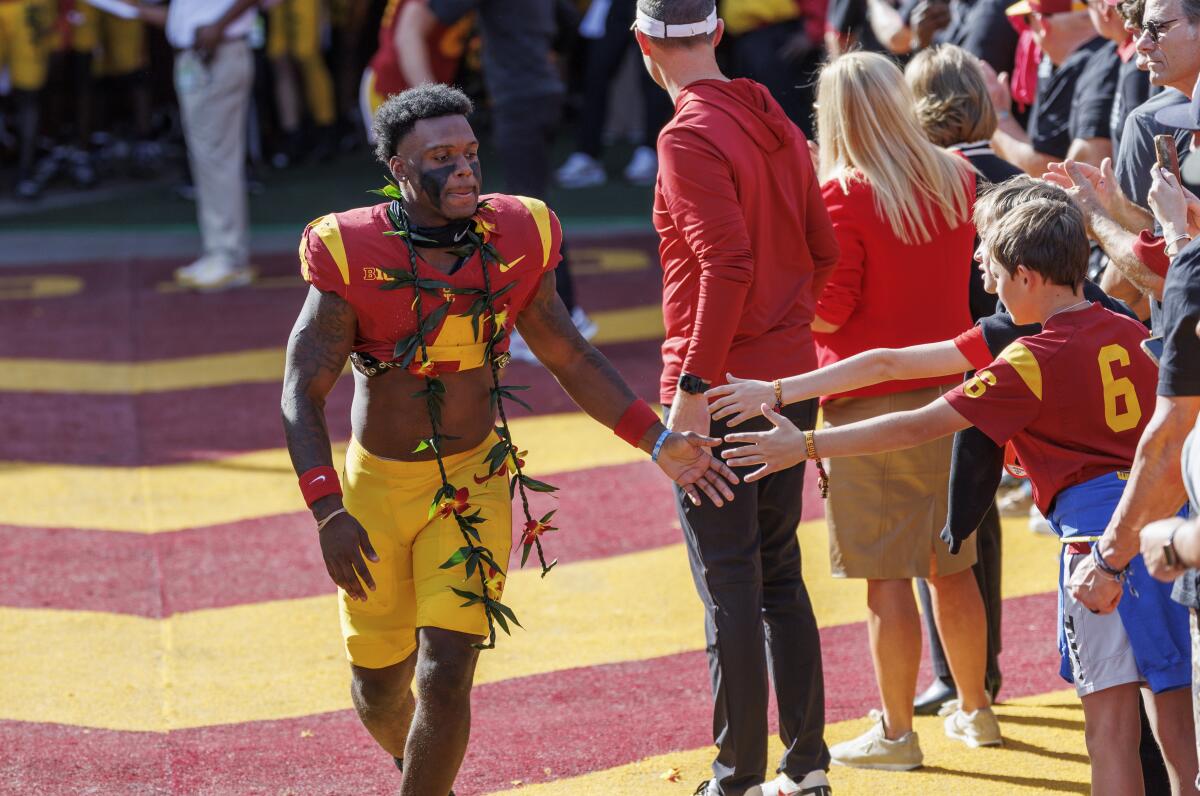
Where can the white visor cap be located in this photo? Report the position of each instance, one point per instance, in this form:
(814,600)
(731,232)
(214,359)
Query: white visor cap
(658,29)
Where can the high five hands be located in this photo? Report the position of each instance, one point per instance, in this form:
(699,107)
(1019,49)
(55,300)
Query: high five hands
(687,459)
(741,398)
(778,449)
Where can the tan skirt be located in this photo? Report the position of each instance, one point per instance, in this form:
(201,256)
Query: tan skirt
(886,512)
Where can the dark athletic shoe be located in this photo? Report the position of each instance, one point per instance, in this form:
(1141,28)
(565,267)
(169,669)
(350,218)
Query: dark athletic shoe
(930,701)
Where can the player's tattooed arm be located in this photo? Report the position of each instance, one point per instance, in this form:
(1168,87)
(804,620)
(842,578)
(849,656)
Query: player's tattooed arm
(316,355)
(317,351)
(586,374)
(598,389)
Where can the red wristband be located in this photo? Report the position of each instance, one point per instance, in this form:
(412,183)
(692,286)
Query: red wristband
(635,422)
(318,483)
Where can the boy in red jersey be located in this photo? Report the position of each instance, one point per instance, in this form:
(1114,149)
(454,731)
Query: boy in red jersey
(1070,399)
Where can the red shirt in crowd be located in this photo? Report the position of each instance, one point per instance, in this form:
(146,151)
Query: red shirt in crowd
(1151,251)
(446,47)
(885,293)
(746,242)
(1073,399)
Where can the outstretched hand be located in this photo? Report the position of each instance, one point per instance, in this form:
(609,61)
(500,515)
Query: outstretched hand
(687,460)
(740,398)
(1094,189)
(775,450)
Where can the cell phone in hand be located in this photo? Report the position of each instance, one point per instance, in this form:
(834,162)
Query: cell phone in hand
(1153,346)
(1167,155)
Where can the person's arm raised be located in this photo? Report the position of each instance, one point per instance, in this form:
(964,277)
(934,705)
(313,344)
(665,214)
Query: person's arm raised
(785,445)
(598,389)
(742,399)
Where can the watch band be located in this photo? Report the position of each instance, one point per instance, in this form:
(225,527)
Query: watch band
(1170,554)
(693,385)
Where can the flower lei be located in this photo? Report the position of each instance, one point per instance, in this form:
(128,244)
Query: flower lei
(504,460)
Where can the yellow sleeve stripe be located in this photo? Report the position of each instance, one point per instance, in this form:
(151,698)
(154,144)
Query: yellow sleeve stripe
(1026,365)
(541,216)
(331,235)
(305,268)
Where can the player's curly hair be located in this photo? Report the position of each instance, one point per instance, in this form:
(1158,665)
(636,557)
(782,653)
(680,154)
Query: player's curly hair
(397,116)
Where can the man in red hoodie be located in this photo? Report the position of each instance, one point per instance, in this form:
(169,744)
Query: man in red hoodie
(746,248)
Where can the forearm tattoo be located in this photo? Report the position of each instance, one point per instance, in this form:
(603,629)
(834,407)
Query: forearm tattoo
(316,355)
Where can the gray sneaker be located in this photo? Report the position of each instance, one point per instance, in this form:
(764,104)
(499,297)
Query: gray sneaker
(872,749)
(974,729)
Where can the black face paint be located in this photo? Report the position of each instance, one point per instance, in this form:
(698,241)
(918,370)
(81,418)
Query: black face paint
(433,183)
(477,169)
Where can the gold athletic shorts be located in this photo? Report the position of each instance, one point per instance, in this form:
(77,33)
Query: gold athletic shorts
(392,501)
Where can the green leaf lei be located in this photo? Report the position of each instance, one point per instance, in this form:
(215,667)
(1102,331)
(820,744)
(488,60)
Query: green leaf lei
(503,460)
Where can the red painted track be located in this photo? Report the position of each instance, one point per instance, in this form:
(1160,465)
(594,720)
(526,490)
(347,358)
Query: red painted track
(521,727)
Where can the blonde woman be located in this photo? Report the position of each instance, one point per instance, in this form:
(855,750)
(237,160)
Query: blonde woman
(901,209)
(956,113)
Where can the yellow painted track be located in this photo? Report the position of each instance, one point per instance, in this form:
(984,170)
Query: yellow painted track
(253,366)
(1043,753)
(171,497)
(204,667)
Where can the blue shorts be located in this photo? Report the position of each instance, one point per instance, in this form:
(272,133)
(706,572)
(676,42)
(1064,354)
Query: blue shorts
(1159,640)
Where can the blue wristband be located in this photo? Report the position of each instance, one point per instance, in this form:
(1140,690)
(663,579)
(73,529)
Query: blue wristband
(658,445)
(1113,572)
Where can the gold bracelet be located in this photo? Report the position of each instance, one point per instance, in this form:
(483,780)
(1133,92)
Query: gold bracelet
(810,445)
(778,384)
(325,520)
(810,452)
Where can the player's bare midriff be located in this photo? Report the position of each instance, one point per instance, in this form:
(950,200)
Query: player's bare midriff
(390,422)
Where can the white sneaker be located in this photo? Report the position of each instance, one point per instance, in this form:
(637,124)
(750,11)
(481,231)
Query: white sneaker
(643,166)
(815,783)
(580,171)
(212,273)
(974,729)
(586,326)
(1038,523)
(872,749)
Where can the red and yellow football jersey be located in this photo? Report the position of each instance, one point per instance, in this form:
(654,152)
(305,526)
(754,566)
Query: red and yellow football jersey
(1073,399)
(347,254)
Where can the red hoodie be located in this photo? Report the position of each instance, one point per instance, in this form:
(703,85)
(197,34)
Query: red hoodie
(746,242)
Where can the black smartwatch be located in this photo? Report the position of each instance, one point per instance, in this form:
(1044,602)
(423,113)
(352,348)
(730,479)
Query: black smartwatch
(693,385)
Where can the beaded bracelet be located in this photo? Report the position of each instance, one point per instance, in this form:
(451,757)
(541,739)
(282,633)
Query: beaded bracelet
(810,452)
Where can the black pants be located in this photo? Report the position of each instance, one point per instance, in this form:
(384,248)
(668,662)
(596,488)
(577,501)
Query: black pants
(604,57)
(792,82)
(524,131)
(759,621)
(987,575)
